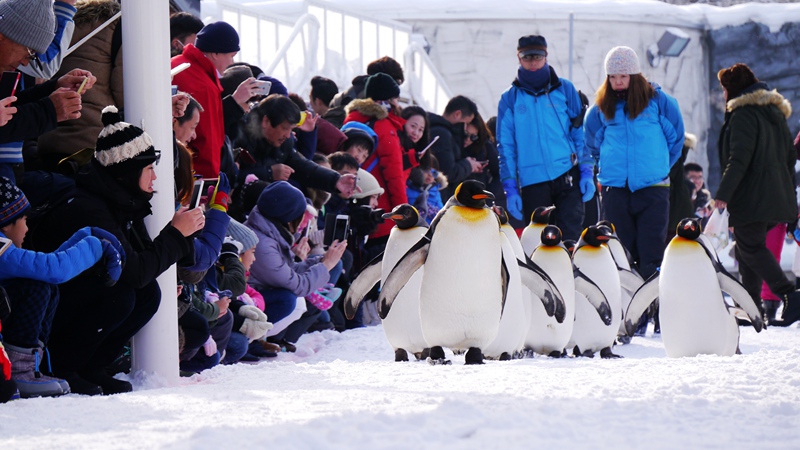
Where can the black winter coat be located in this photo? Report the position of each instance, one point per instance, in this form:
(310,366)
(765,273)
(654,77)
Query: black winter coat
(448,151)
(100,201)
(757,158)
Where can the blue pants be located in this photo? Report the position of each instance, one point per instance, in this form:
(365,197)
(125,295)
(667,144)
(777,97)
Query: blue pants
(565,193)
(237,347)
(641,220)
(33,305)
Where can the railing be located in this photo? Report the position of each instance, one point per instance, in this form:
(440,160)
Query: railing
(426,85)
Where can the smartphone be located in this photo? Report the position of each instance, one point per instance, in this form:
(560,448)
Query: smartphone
(8,84)
(200,190)
(179,68)
(5,243)
(336,229)
(83,84)
(427,147)
(174,90)
(262,87)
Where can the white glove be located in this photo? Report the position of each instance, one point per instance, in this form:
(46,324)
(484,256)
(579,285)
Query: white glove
(210,347)
(255,324)
(230,240)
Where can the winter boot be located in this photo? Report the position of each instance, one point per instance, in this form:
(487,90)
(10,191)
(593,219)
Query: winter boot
(791,310)
(770,308)
(80,386)
(109,384)
(25,371)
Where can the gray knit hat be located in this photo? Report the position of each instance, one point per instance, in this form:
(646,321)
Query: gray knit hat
(242,234)
(31,23)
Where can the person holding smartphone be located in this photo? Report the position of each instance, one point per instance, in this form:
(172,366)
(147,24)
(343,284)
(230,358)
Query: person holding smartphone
(543,159)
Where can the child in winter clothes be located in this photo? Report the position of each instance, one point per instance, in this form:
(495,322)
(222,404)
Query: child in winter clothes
(423,187)
(30,279)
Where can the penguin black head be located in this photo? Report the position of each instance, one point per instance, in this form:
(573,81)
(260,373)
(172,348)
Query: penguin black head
(609,225)
(596,236)
(501,214)
(570,244)
(551,236)
(542,214)
(473,194)
(689,228)
(404,215)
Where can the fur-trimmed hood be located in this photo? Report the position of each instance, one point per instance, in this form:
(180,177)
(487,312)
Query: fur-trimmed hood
(90,11)
(367,107)
(761,97)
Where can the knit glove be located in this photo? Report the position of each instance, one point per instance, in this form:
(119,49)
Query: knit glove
(587,185)
(210,347)
(231,247)
(104,235)
(513,200)
(255,324)
(218,195)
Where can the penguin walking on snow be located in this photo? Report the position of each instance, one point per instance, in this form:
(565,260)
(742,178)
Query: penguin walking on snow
(532,234)
(694,317)
(402,327)
(465,281)
(593,258)
(546,336)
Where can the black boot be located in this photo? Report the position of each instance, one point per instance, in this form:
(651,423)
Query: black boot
(791,310)
(473,356)
(109,384)
(770,308)
(78,385)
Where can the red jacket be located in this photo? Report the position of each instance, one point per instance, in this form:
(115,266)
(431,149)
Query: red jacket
(389,153)
(202,82)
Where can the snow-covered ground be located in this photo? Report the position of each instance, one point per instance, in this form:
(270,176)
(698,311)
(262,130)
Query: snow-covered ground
(346,392)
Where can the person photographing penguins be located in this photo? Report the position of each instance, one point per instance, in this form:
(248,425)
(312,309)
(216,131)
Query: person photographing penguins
(757,158)
(543,159)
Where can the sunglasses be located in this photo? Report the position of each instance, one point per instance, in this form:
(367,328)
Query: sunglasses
(472,137)
(529,58)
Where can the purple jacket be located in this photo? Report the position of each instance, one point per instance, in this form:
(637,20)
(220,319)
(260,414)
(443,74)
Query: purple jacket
(275,267)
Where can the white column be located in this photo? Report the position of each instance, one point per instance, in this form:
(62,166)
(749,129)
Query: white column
(145,38)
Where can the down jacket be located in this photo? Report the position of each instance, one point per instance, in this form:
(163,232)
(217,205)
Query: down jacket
(74,256)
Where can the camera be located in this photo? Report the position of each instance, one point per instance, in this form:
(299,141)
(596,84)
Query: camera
(364,220)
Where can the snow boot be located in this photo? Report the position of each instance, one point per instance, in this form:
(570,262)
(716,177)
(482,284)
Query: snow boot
(109,384)
(80,386)
(770,308)
(30,380)
(791,310)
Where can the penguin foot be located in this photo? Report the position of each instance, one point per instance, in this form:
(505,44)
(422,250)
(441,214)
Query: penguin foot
(423,354)
(576,352)
(505,356)
(400,355)
(474,356)
(459,352)
(556,354)
(607,354)
(624,340)
(436,357)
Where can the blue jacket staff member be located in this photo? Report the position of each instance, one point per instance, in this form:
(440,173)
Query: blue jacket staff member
(540,142)
(636,131)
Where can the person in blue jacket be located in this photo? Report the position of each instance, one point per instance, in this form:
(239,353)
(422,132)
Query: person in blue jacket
(543,160)
(30,279)
(636,131)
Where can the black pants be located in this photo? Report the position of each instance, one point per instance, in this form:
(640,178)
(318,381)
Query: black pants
(565,193)
(93,322)
(33,305)
(756,262)
(641,220)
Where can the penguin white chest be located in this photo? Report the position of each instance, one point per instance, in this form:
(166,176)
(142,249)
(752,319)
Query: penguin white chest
(589,332)
(461,293)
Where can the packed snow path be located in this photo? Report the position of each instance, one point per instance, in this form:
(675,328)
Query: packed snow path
(348,393)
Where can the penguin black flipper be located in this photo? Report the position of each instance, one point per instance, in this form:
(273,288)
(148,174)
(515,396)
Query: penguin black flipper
(642,298)
(740,297)
(365,282)
(504,277)
(413,259)
(542,286)
(593,294)
(732,286)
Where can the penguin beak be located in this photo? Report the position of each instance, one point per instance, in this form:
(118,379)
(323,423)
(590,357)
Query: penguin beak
(483,195)
(603,238)
(392,216)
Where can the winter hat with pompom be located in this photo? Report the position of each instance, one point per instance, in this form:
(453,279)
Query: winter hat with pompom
(122,147)
(622,61)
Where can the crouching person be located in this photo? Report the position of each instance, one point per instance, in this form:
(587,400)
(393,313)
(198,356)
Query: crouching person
(275,274)
(93,321)
(29,278)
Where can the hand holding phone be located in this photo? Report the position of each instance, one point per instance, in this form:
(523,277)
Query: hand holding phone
(6,110)
(262,87)
(83,85)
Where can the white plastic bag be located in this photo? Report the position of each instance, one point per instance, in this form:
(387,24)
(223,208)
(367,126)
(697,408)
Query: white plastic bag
(717,229)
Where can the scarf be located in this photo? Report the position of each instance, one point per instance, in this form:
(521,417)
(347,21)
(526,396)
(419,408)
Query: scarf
(534,80)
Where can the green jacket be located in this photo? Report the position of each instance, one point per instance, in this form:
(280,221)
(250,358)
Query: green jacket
(757,158)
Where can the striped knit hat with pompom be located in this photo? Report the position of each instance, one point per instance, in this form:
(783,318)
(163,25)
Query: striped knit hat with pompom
(122,147)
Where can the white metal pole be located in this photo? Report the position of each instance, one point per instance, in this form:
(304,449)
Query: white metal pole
(145,38)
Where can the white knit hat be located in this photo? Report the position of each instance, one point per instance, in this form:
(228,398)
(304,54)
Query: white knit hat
(622,61)
(368,184)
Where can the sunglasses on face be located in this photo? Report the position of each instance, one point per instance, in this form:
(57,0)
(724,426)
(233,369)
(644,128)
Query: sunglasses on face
(529,58)
(472,137)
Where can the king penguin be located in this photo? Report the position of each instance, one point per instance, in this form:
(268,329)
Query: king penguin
(695,319)
(532,234)
(465,281)
(402,327)
(546,336)
(629,278)
(590,334)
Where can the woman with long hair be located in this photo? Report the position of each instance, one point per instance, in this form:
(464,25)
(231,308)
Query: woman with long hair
(636,132)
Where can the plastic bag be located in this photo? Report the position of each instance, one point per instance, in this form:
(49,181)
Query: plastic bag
(717,229)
